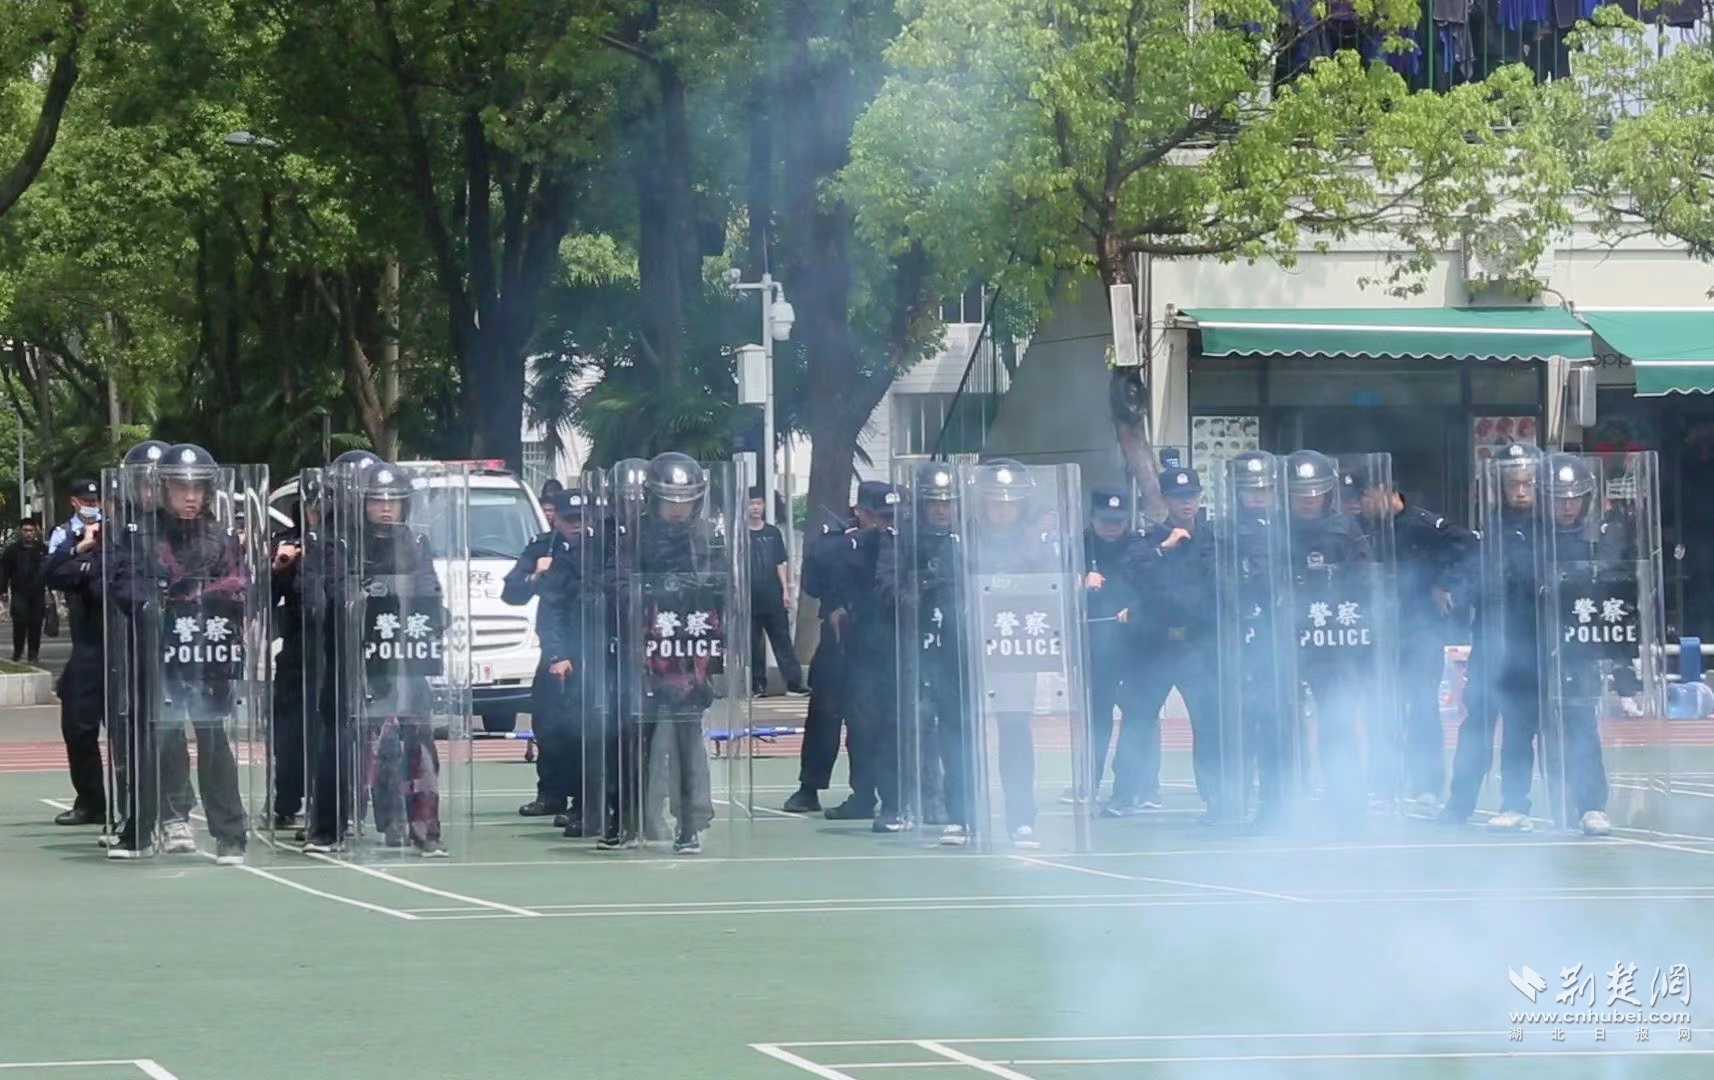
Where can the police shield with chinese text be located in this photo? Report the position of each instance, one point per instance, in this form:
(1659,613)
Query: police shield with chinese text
(934,727)
(1601,640)
(1259,733)
(1026,653)
(680,595)
(393,570)
(192,590)
(1342,619)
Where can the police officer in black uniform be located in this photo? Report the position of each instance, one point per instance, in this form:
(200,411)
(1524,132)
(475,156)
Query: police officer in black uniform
(1108,544)
(1436,564)
(1174,569)
(826,576)
(942,719)
(869,631)
(1503,677)
(288,724)
(519,588)
(76,571)
(572,687)
(1324,542)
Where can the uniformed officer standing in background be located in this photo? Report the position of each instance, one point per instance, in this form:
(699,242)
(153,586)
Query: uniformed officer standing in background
(518,590)
(770,602)
(77,572)
(869,631)
(826,576)
(1113,658)
(1174,570)
(1437,565)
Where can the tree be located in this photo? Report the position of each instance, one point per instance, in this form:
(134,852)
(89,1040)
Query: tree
(1636,128)
(32,28)
(1030,140)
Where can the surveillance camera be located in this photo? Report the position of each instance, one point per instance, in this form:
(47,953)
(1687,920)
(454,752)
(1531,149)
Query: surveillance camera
(732,277)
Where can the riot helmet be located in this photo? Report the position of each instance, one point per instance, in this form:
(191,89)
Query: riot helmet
(935,493)
(631,479)
(676,484)
(1310,479)
(1518,466)
(386,492)
(1572,484)
(1253,476)
(187,474)
(1004,486)
(147,452)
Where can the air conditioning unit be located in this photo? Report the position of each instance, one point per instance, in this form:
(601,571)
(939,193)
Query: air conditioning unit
(1496,255)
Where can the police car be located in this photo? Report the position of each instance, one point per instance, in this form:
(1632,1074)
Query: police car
(504,516)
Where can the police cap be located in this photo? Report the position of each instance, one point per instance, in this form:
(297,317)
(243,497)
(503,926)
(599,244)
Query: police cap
(877,496)
(1110,502)
(569,502)
(1180,481)
(85,489)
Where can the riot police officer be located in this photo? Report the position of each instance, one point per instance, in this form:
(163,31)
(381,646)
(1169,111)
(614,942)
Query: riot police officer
(403,617)
(189,577)
(1436,562)
(1589,558)
(1504,670)
(826,576)
(76,570)
(571,691)
(1324,544)
(940,722)
(669,572)
(1259,715)
(1174,569)
(1108,543)
(288,730)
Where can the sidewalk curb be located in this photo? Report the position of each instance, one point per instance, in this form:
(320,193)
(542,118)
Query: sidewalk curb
(34,688)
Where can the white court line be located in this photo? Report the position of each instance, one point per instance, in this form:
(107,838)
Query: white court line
(67,1064)
(579,857)
(805,1064)
(976,1063)
(299,886)
(1003,897)
(765,810)
(382,875)
(153,1070)
(1206,1036)
(1427,1055)
(853,909)
(1164,881)
(1674,791)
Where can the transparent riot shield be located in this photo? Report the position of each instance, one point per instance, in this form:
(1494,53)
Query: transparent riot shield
(394,771)
(570,715)
(1601,641)
(932,706)
(1026,651)
(284,788)
(118,652)
(681,606)
(188,652)
(1256,760)
(1344,619)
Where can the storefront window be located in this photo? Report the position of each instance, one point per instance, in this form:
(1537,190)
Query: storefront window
(1223,384)
(1507,383)
(1315,381)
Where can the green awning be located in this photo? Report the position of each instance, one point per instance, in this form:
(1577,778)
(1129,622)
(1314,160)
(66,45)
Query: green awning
(1394,332)
(1672,352)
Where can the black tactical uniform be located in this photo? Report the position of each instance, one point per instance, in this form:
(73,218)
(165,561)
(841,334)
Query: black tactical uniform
(942,721)
(826,576)
(1436,563)
(78,574)
(1114,660)
(571,688)
(869,636)
(21,566)
(288,726)
(1173,567)
(1325,547)
(520,586)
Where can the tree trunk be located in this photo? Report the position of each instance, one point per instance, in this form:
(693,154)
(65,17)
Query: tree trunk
(388,447)
(1128,400)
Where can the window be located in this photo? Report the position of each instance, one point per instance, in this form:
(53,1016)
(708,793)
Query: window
(917,420)
(972,307)
(538,463)
(501,522)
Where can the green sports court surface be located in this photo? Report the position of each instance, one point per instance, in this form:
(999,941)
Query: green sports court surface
(801,947)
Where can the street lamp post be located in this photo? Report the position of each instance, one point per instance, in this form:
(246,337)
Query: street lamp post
(777,320)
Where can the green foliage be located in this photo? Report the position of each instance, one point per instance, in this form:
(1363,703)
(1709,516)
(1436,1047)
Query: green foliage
(1028,138)
(1636,127)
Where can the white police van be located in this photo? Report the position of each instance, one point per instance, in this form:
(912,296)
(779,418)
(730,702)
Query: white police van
(504,517)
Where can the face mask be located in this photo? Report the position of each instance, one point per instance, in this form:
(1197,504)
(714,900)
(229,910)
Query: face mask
(89,513)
